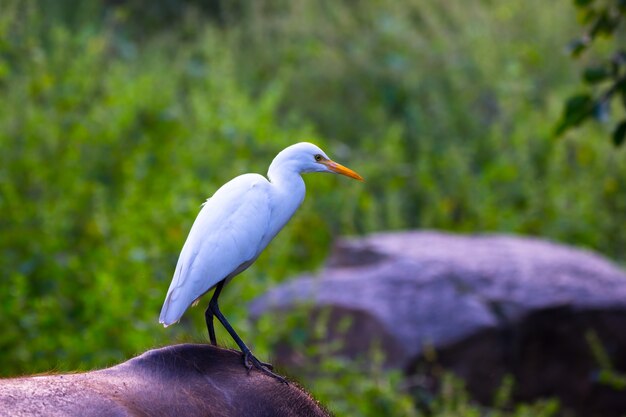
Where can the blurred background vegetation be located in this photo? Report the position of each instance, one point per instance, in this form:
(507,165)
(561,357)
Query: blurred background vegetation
(118,118)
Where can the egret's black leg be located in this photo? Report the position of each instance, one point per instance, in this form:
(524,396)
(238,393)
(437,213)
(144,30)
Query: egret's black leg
(249,359)
(208,316)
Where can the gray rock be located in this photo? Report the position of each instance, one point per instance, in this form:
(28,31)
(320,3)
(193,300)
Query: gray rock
(489,305)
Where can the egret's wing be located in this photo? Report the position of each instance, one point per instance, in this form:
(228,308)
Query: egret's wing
(225,238)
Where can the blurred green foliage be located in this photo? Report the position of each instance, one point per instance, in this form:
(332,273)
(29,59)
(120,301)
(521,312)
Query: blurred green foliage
(113,130)
(605,72)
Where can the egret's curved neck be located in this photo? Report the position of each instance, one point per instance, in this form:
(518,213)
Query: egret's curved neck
(288,189)
(286,177)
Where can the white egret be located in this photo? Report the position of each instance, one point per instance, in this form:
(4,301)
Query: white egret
(232,229)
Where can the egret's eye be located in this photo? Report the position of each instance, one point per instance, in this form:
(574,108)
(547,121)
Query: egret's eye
(318,157)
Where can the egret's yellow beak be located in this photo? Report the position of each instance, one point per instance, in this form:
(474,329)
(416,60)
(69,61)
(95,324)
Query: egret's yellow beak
(340,169)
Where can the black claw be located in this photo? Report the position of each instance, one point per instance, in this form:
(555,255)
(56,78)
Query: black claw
(249,360)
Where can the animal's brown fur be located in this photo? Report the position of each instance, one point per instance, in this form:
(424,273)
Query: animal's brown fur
(179,381)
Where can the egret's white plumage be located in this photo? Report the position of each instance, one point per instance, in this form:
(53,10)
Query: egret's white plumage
(238,222)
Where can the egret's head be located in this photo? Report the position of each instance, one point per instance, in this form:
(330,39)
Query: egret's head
(306,157)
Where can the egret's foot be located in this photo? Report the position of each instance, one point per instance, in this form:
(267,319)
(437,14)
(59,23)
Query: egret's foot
(266,365)
(249,360)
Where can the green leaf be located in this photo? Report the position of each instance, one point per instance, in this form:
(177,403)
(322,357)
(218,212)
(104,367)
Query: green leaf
(605,25)
(577,109)
(619,134)
(577,46)
(593,75)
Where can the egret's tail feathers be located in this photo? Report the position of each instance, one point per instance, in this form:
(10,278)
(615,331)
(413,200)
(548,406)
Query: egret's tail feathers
(167,318)
(171,312)
(168,324)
